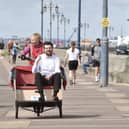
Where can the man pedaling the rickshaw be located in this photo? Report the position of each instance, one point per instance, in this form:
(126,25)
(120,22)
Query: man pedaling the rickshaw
(47,71)
(32,49)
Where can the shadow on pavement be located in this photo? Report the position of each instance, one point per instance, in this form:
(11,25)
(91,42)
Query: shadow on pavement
(64,117)
(4,85)
(5,106)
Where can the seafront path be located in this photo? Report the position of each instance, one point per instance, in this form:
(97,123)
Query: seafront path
(85,105)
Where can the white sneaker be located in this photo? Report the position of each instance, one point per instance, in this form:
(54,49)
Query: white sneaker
(97,78)
(73,81)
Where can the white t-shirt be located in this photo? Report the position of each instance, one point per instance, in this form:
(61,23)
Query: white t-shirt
(47,65)
(72,55)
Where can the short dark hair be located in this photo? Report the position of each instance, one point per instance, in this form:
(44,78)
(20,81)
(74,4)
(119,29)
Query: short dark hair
(98,39)
(73,43)
(48,43)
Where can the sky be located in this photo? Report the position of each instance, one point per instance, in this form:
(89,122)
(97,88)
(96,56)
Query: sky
(23,17)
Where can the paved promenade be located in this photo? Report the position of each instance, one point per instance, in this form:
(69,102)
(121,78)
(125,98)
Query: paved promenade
(85,106)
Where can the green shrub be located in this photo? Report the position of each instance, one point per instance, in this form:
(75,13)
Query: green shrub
(5,52)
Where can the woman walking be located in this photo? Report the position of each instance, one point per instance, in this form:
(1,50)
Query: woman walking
(72,57)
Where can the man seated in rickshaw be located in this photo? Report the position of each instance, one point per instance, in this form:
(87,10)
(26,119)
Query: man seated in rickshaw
(47,71)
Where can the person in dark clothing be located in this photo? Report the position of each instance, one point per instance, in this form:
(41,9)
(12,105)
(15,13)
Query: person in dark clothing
(1,45)
(96,54)
(14,53)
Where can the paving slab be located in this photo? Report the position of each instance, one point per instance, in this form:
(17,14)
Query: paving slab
(120,101)
(115,95)
(123,108)
(85,106)
(12,124)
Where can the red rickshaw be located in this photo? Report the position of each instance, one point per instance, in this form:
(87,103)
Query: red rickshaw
(26,95)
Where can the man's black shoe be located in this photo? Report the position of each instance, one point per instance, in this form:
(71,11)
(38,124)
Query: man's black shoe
(41,99)
(56,98)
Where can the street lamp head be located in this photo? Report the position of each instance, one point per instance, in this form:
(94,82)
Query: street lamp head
(45,8)
(62,16)
(57,9)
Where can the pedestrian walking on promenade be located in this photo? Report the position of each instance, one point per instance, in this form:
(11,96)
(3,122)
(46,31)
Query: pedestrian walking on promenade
(9,48)
(86,62)
(14,52)
(33,49)
(1,49)
(96,53)
(72,57)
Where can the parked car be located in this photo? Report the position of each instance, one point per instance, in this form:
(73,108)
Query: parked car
(122,49)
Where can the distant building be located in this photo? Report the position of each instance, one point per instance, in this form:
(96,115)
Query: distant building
(120,40)
(123,40)
(86,43)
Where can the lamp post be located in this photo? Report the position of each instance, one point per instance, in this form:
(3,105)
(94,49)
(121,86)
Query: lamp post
(104,50)
(110,32)
(50,21)
(58,15)
(43,9)
(65,20)
(79,26)
(86,26)
(50,6)
(42,18)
